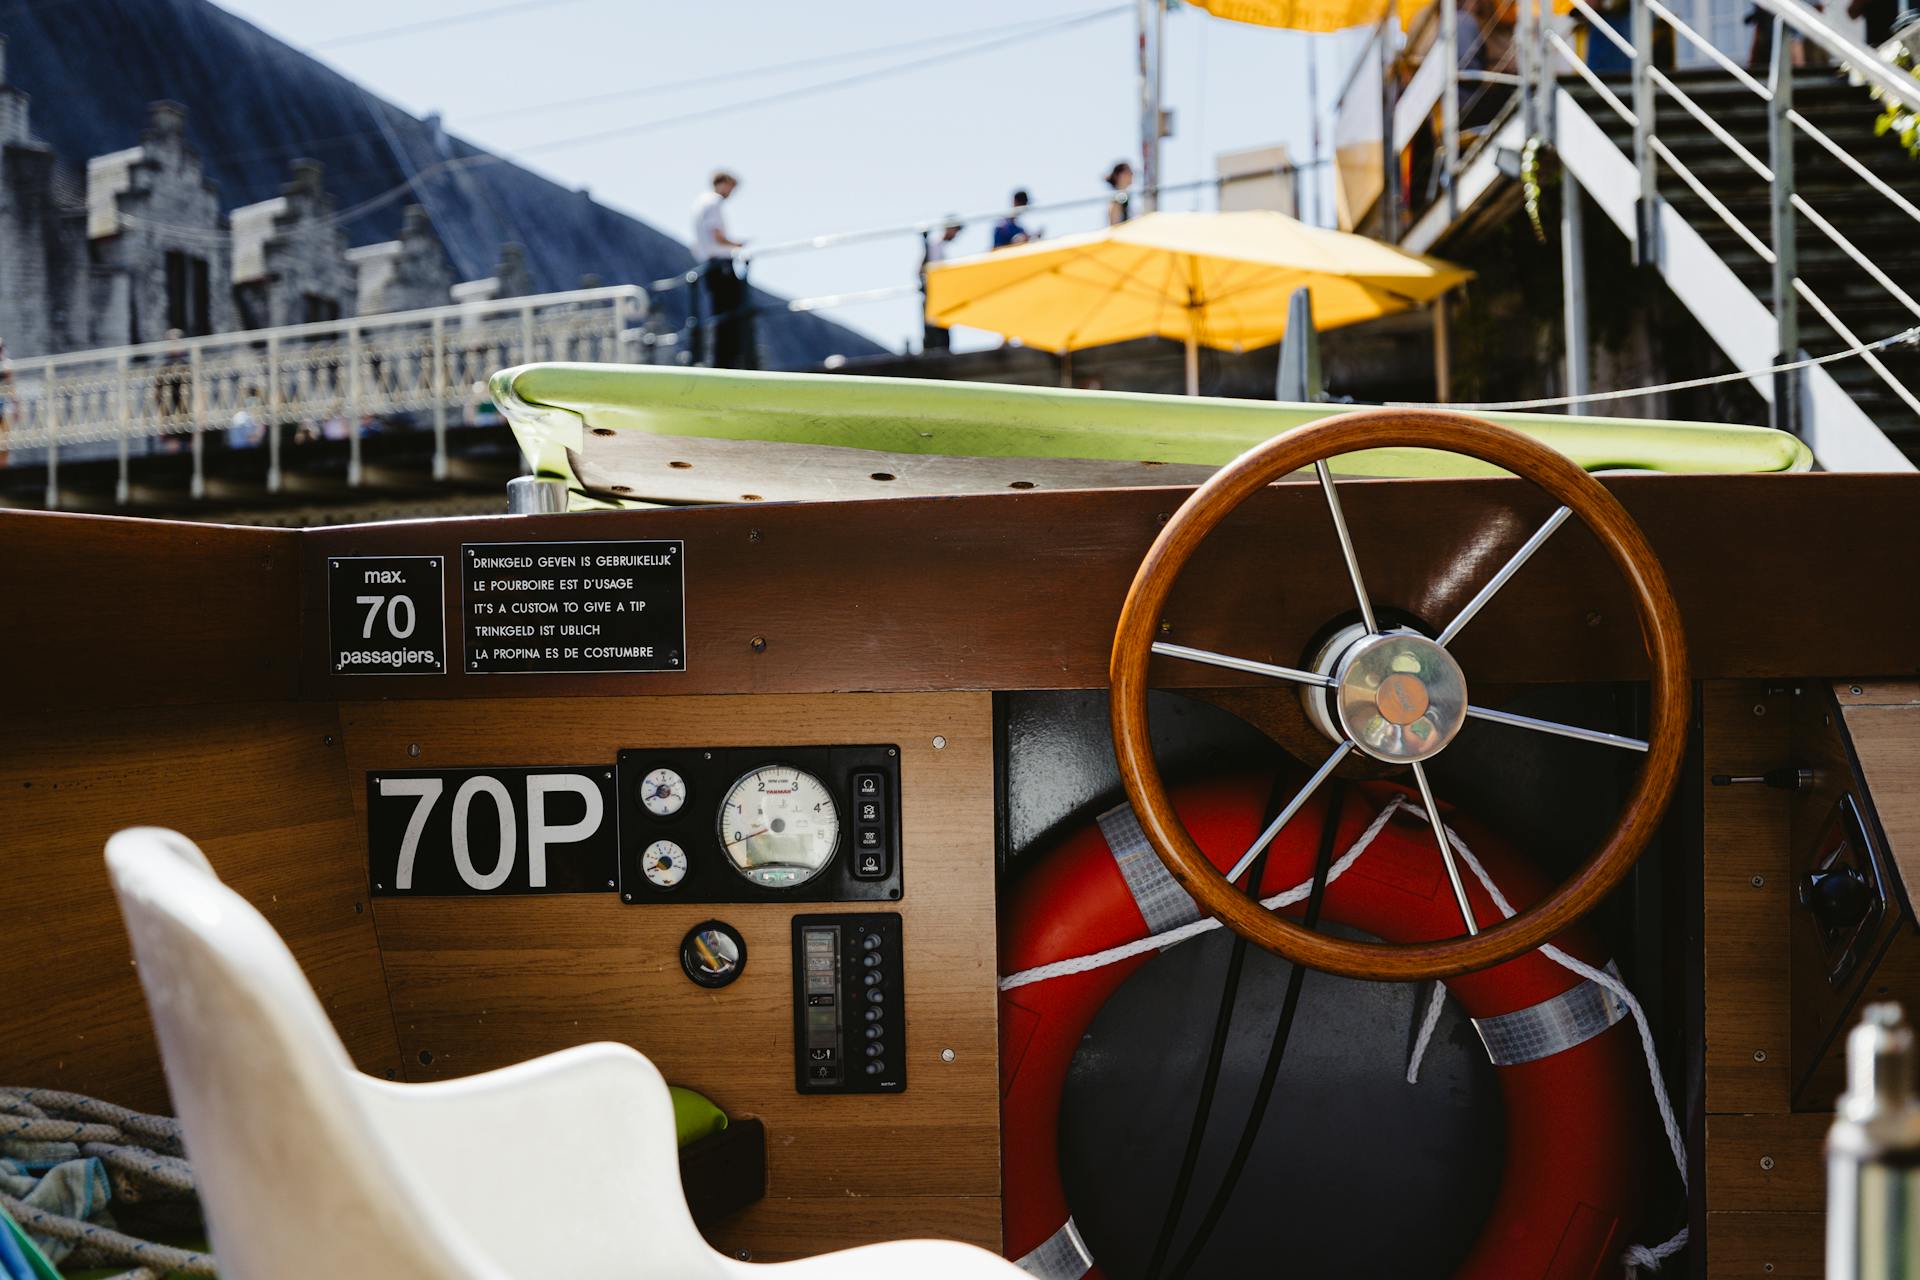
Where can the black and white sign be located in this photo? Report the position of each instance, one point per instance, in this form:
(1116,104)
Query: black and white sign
(553,607)
(440,832)
(386,615)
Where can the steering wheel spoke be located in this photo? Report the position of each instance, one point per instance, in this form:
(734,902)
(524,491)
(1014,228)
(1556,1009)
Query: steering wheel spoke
(1346,545)
(1212,659)
(1500,579)
(1446,848)
(1556,728)
(1285,816)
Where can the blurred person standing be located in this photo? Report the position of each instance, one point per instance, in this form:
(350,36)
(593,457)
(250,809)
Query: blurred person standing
(936,248)
(1120,184)
(714,250)
(1010,230)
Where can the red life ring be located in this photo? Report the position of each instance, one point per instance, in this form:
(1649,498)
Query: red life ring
(1576,1118)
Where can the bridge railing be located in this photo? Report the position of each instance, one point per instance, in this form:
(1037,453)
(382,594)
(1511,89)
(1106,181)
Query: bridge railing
(430,366)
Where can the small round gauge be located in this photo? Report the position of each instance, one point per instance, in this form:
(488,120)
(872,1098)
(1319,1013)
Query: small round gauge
(713,954)
(779,826)
(662,792)
(665,863)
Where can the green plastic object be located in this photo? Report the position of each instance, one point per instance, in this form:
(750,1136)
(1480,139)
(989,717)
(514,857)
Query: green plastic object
(694,1117)
(553,406)
(36,1260)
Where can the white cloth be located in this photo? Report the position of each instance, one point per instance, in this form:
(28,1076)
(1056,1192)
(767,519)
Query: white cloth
(709,228)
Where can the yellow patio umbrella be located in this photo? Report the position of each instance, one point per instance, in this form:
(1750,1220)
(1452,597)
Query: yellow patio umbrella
(1311,15)
(1220,280)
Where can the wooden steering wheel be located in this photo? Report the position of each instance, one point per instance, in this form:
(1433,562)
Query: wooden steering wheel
(1397,695)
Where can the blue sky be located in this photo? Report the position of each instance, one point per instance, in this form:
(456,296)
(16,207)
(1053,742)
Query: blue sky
(1050,113)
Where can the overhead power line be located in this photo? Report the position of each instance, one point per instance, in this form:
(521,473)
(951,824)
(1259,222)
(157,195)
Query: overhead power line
(439,24)
(458,164)
(778,68)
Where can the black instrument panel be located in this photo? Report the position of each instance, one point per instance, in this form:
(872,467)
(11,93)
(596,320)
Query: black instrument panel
(749,824)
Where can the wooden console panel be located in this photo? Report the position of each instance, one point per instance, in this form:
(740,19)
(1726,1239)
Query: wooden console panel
(478,983)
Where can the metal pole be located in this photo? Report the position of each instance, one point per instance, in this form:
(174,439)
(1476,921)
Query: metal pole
(1526,18)
(1148,74)
(439,353)
(123,415)
(1314,107)
(1442,350)
(351,410)
(526,334)
(1646,249)
(1389,145)
(198,488)
(1573,279)
(1785,413)
(52,392)
(1450,107)
(275,478)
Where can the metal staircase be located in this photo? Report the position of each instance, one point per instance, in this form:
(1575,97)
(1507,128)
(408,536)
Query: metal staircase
(1887,235)
(1762,197)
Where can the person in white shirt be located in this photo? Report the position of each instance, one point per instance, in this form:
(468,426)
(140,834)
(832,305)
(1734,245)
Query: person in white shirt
(714,250)
(938,248)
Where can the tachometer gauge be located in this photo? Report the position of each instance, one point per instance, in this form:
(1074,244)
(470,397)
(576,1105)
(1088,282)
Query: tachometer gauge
(665,863)
(779,826)
(662,792)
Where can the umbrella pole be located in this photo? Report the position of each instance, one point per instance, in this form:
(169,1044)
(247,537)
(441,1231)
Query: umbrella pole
(1193,362)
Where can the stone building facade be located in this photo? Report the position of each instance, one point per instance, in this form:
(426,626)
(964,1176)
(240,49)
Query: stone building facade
(157,231)
(142,250)
(290,263)
(404,274)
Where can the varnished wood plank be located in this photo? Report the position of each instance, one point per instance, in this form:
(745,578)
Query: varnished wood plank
(1766,1246)
(1746,890)
(1021,590)
(478,983)
(1877,693)
(780,1228)
(108,612)
(1770,1163)
(261,789)
(1886,740)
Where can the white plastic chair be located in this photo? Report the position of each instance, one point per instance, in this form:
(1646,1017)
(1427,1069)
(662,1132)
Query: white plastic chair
(562,1168)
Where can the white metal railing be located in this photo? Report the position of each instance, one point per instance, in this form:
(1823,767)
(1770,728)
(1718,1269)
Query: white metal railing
(1544,49)
(327,377)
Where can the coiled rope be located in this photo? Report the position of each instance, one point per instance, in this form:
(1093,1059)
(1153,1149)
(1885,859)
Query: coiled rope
(145,1150)
(1637,1257)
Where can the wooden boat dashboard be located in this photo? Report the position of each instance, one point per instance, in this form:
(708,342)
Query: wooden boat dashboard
(187,675)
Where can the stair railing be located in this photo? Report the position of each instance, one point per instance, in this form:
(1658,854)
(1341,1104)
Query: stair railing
(298,382)
(1544,49)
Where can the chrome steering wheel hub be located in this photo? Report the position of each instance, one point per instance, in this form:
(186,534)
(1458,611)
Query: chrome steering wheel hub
(1397,696)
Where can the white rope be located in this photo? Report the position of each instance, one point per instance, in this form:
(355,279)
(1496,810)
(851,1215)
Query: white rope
(1435,1005)
(1637,1257)
(1905,336)
(1171,937)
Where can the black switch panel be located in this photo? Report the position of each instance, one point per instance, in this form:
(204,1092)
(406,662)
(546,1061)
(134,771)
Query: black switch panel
(849,1007)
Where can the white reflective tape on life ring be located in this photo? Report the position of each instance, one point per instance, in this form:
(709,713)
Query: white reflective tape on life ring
(1162,902)
(1538,1031)
(1061,1256)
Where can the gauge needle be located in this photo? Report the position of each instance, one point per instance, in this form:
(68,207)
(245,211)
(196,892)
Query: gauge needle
(751,834)
(707,957)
